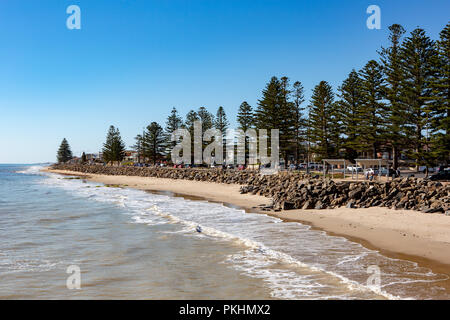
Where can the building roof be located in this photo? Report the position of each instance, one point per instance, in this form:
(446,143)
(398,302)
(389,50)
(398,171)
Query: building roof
(336,161)
(372,162)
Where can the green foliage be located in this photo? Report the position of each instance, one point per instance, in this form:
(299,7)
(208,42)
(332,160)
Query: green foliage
(245,117)
(373,108)
(83,158)
(441,94)
(275,111)
(221,122)
(191,117)
(391,61)
(419,56)
(139,146)
(350,110)
(64,153)
(323,121)
(299,122)
(113,148)
(245,120)
(154,142)
(174,122)
(206,118)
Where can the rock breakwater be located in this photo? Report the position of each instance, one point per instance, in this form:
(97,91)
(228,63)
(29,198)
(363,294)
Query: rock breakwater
(294,190)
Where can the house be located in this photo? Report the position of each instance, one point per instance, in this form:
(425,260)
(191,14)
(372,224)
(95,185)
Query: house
(131,155)
(74,160)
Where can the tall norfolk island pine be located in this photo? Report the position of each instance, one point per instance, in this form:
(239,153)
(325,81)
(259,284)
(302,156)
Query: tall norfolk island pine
(245,117)
(154,142)
(441,92)
(64,153)
(350,111)
(245,120)
(113,148)
(322,120)
(299,121)
(275,111)
(374,110)
(391,61)
(139,147)
(174,122)
(419,56)
(221,122)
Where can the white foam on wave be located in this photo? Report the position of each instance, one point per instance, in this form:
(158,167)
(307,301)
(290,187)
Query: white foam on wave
(285,284)
(36,169)
(294,260)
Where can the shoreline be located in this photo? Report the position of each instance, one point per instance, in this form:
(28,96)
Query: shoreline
(402,234)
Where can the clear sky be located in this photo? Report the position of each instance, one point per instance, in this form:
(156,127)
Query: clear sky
(133,60)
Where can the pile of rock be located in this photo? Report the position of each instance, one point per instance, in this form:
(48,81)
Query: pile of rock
(408,193)
(210,175)
(293,190)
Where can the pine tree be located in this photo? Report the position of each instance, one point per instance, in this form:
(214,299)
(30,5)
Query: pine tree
(206,118)
(275,111)
(191,117)
(418,61)
(221,122)
(154,142)
(299,122)
(441,93)
(392,67)
(322,121)
(139,147)
(374,112)
(287,127)
(113,148)
(350,109)
(245,117)
(173,123)
(267,112)
(83,158)
(245,120)
(64,153)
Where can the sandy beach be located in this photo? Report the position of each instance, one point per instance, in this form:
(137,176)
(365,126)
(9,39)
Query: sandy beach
(406,234)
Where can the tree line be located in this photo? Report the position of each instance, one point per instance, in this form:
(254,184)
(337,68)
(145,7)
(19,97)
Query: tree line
(398,103)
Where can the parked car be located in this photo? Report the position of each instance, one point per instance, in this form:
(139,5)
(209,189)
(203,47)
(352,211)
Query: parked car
(424,168)
(371,171)
(388,172)
(443,175)
(354,169)
(315,166)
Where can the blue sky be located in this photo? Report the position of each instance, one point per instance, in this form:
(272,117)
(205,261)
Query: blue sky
(133,60)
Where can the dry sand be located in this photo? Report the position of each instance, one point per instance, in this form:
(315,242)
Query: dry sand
(424,238)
